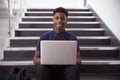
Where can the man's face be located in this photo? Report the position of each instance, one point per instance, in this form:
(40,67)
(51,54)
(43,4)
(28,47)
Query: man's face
(59,20)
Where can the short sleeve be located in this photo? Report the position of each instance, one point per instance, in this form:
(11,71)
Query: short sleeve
(78,49)
(75,38)
(38,45)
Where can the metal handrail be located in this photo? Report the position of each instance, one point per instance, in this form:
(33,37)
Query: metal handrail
(9,15)
(9,32)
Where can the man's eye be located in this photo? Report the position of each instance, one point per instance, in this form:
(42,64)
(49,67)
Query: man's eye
(56,18)
(63,18)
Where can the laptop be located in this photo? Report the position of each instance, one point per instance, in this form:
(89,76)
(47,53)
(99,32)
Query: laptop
(58,52)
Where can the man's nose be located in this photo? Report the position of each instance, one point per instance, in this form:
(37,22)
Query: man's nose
(60,20)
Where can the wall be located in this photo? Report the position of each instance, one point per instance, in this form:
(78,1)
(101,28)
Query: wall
(3,27)
(54,3)
(109,11)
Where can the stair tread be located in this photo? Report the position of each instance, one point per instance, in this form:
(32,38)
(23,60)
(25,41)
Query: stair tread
(68,29)
(52,17)
(53,8)
(84,62)
(80,12)
(78,37)
(83,8)
(81,48)
(50,22)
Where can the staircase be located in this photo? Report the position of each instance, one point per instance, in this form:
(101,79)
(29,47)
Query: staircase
(100,57)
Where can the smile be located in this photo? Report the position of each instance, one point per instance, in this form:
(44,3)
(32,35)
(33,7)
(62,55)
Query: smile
(59,24)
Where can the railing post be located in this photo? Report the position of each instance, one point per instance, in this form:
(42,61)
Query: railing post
(9,31)
(85,2)
(21,8)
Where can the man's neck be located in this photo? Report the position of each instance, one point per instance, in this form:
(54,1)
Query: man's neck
(59,32)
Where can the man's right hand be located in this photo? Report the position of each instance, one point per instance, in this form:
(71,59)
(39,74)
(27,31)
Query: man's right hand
(36,58)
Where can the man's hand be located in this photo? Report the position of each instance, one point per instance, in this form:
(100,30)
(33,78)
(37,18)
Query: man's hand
(78,58)
(36,58)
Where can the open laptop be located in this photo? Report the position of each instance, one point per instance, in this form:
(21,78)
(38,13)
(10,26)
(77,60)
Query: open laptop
(58,52)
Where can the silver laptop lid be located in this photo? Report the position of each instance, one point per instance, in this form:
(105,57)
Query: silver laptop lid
(58,52)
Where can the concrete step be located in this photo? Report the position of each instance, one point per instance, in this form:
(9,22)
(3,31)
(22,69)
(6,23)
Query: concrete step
(27,53)
(85,13)
(50,25)
(82,41)
(37,9)
(48,18)
(85,62)
(76,31)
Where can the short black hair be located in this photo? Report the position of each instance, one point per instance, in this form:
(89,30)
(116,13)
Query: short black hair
(61,9)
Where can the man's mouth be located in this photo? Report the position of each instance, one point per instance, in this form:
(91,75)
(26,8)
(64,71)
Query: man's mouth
(60,25)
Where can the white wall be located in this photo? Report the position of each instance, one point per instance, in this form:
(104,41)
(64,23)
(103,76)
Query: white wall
(46,3)
(6,3)
(54,3)
(109,11)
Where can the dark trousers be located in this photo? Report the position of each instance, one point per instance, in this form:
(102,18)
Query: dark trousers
(59,72)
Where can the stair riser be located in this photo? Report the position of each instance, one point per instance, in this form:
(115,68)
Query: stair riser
(81,42)
(28,55)
(77,33)
(99,53)
(50,14)
(51,25)
(19,55)
(32,10)
(50,19)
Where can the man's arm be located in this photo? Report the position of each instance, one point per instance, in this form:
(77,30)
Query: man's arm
(36,58)
(78,58)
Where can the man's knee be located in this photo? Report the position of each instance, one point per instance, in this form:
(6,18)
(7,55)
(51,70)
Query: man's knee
(42,69)
(43,73)
(72,69)
(72,73)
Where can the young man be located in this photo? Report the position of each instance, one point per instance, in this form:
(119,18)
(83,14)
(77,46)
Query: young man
(70,72)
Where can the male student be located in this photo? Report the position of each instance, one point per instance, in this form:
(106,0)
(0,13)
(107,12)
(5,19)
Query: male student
(45,72)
